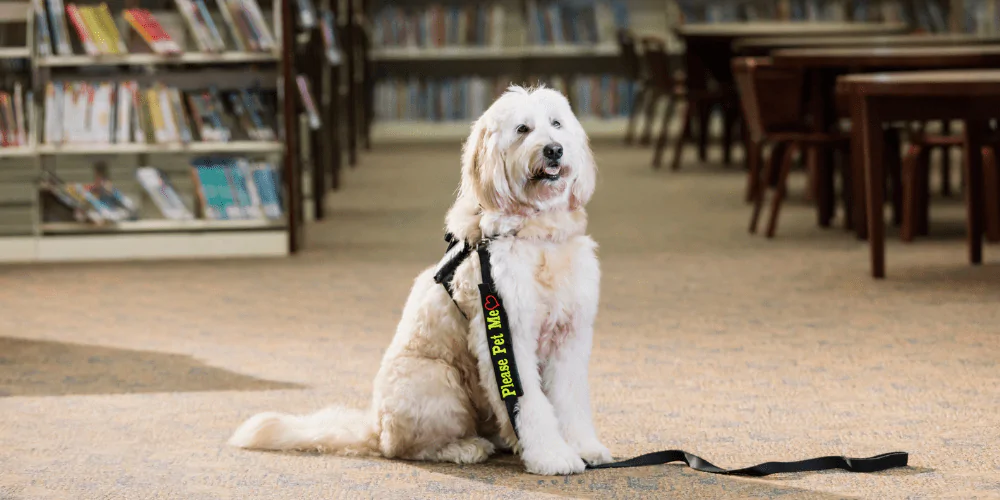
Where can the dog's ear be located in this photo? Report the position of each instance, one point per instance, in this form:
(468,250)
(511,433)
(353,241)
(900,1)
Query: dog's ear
(484,173)
(586,180)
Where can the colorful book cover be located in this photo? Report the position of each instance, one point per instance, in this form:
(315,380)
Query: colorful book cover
(213,30)
(79,24)
(146,25)
(246,201)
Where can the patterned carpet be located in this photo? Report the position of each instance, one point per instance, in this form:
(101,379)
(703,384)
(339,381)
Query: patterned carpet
(125,380)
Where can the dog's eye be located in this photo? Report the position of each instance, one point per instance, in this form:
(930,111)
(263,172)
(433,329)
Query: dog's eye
(556,124)
(523,129)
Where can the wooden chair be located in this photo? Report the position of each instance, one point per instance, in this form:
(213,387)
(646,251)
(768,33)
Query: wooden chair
(664,82)
(774,111)
(916,184)
(634,71)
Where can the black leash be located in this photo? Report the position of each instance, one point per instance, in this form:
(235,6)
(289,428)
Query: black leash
(509,386)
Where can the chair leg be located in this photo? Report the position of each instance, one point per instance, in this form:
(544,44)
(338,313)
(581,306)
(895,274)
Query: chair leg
(650,111)
(924,199)
(911,193)
(753,174)
(946,161)
(991,193)
(661,141)
(684,136)
(633,113)
(728,122)
(779,195)
(777,153)
(893,168)
(846,192)
(704,118)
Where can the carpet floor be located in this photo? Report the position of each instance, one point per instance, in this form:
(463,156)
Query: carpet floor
(125,380)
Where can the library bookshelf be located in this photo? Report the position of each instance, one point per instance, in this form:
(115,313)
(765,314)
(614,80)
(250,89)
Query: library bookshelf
(29,230)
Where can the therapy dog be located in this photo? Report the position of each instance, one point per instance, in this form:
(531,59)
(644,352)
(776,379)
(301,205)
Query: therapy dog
(527,174)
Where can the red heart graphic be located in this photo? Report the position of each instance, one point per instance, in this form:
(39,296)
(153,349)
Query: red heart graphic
(491,303)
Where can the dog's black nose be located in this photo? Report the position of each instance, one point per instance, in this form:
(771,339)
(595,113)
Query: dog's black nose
(552,151)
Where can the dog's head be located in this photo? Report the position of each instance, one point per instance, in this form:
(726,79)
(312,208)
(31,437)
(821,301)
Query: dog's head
(528,153)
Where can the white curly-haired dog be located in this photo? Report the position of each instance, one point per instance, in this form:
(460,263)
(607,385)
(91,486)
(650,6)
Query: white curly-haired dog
(527,172)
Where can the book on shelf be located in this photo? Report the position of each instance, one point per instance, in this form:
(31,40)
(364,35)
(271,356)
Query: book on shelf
(328,27)
(308,103)
(159,189)
(145,24)
(437,26)
(99,202)
(236,188)
(200,24)
(14,123)
(96,29)
(587,22)
(43,38)
(57,27)
(122,113)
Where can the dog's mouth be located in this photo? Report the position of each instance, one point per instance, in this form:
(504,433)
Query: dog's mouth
(552,171)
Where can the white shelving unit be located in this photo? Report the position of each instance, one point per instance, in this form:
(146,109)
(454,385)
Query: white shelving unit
(146,238)
(193,148)
(158,59)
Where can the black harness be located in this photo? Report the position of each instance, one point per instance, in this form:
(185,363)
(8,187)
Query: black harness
(509,385)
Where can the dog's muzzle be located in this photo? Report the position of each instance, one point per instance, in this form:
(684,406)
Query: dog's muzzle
(553,169)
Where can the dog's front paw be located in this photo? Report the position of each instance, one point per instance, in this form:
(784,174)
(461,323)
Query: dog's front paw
(552,460)
(593,452)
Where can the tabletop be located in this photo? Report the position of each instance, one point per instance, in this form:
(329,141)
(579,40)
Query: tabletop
(900,57)
(771,29)
(768,43)
(985,82)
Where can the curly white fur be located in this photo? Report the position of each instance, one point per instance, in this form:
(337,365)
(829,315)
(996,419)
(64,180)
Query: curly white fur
(435,396)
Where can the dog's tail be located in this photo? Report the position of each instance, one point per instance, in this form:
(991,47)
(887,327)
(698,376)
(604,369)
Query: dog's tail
(332,430)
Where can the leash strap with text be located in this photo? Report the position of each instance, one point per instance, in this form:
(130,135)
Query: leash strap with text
(505,370)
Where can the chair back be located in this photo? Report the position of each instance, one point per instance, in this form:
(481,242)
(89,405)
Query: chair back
(771,97)
(657,61)
(629,55)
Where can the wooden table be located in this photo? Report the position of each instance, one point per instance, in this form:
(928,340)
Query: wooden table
(972,96)
(824,65)
(762,46)
(709,48)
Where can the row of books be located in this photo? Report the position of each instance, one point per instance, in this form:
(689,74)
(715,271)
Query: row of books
(226,189)
(122,113)
(435,26)
(14,121)
(926,15)
(575,22)
(466,98)
(97,32)
(436,100)
(247,25)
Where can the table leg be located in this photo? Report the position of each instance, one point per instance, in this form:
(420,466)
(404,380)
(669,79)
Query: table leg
(871,125)
(857,165)
(975,136)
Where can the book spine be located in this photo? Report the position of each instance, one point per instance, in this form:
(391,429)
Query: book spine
(213,30)
(224,190)
(43,35)
(188,13)
(240,195)
(76,18)
(162,193)
(266,189)
(124,113)
(234,31)
(256,210)
(182,122)
(211,204)
(260,24)
(156,116)
(22,131)
(107,23)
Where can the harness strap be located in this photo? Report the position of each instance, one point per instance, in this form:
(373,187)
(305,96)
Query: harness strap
(501,345)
